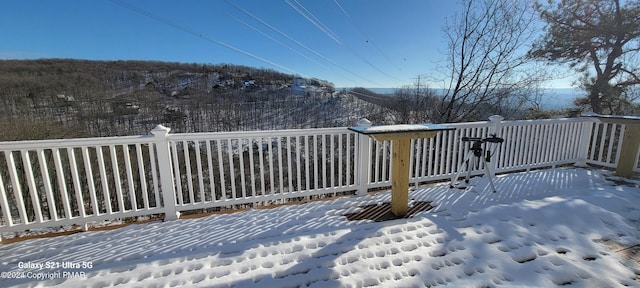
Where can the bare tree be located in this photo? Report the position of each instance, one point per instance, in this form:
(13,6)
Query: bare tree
(486,70)
(413,103)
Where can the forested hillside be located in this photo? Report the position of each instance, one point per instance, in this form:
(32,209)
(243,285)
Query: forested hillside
(60,98)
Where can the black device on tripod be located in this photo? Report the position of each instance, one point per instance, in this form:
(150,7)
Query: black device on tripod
(476,150)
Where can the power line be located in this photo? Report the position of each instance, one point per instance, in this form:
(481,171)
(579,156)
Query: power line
(316,22)
(277,41)
(296,41)
(369,39)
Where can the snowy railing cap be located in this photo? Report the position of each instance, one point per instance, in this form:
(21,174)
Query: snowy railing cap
(160,130)
(364,122)
(589,114)
(496,118)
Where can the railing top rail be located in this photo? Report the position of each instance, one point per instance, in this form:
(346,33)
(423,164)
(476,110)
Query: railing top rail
(74,142)
(524,122)
(258,134)
(547,121)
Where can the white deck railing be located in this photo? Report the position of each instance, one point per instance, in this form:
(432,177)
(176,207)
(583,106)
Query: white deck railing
(76,181)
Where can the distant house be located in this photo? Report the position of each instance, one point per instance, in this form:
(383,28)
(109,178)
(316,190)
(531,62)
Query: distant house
(299,85)
(67,98)
(249,83)
(299,82)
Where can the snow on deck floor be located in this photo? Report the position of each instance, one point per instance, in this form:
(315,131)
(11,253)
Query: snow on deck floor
(543,228)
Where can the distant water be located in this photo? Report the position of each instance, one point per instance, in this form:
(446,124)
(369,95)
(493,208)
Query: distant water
(384,91)
(558,98)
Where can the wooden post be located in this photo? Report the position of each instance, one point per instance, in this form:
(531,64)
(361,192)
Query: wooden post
(630,141)
(629,150)
(400,172)
(400,137)
(400,162)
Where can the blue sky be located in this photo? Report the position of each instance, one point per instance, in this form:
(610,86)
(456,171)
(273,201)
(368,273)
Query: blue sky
(382,43)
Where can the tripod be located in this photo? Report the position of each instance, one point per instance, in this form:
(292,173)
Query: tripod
(476,151)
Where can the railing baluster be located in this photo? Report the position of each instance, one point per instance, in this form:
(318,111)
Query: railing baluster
(116,177)
(513,146)
(48,189)
(188,172)
(142,175)
(316,158)
(154,173)
(530,144)
(612,136)
(539,139)
(4,203)
(263,187)
(427,149)
(577,142)
(33,190)
(128,170)
(252,173)
(332,155)
(289,168)
(90,183)
(564,141)
(436,157)
(62,185)
(223,187)
(212,184)
(76,181)
(200,171)
(271,174)
(177,174)
(351,152)
(553,145)
(605,127)
(594,138)
(545,150)
(231,169)
(243,182)
(15,184)
(386,163)
(450,144)
(522,146)
(324,161)
(298,166)
(280,170)
(307,162)
(378,156)
(339,168)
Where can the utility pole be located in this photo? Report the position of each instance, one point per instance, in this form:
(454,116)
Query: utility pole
(417,91)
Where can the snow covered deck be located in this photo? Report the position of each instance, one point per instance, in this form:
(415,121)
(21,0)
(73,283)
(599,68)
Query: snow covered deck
(544,228)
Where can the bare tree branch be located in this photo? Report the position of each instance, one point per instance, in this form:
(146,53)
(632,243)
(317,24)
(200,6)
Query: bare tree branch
(486,60)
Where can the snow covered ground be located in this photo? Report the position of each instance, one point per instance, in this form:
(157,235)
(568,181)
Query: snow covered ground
(543,228)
